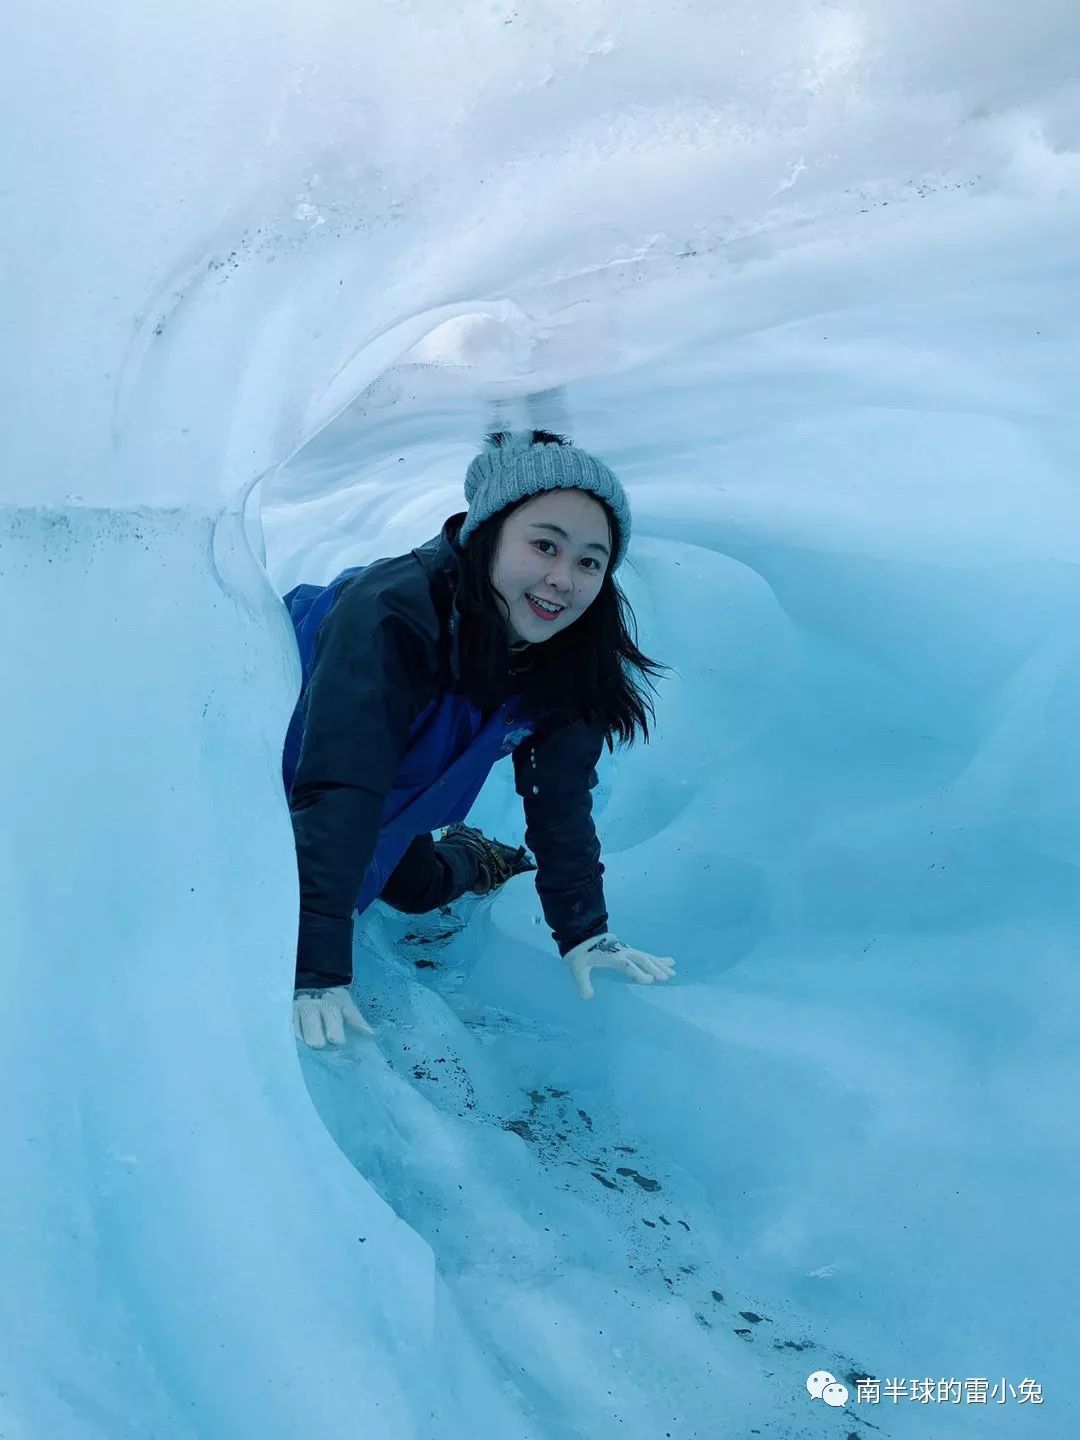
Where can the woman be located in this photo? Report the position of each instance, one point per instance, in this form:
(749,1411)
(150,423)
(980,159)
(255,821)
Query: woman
(506,634)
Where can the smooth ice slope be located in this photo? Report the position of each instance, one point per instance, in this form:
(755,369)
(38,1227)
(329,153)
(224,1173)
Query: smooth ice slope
(808,274)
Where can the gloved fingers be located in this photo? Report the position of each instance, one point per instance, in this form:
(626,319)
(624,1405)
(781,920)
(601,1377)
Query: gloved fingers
(307,1021)
(353,1016)
(608,952)
(660,967)
(334,1021)
(581,966)
(633,970)
(579,969)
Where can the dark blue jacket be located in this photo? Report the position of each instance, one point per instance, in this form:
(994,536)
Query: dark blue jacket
(382,747)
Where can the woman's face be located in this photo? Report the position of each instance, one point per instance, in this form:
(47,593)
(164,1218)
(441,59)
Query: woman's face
(551,556)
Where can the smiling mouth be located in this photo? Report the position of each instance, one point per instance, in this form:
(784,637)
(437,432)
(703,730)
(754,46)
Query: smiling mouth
(541,608)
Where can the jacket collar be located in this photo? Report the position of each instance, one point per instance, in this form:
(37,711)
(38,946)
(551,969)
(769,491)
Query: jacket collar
(442,553)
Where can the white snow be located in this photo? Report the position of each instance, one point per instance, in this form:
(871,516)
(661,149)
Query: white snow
(808,276)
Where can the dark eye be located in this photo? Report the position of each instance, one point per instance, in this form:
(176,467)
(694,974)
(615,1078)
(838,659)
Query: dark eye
(545,542)
(590,560)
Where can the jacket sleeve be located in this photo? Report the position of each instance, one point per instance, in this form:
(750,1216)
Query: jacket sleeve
(373,670)
(554,775)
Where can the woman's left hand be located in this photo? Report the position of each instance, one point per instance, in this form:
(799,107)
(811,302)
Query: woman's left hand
(608,952)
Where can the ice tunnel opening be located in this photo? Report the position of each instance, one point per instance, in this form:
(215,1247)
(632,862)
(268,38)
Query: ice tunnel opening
(852,798)
(878,942)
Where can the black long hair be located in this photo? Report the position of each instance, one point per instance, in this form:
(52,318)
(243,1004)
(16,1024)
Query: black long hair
(592,670)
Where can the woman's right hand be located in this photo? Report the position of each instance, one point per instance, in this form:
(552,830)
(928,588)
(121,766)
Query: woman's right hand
(320,1016)
(608,952)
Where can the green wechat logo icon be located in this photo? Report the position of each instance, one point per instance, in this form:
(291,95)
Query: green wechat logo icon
(823,1386)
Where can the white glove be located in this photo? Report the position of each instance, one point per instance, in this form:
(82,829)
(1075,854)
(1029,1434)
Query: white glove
(607,952)
(320,1016)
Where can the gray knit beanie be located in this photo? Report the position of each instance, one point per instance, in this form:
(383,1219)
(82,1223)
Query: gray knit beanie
(512,466)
